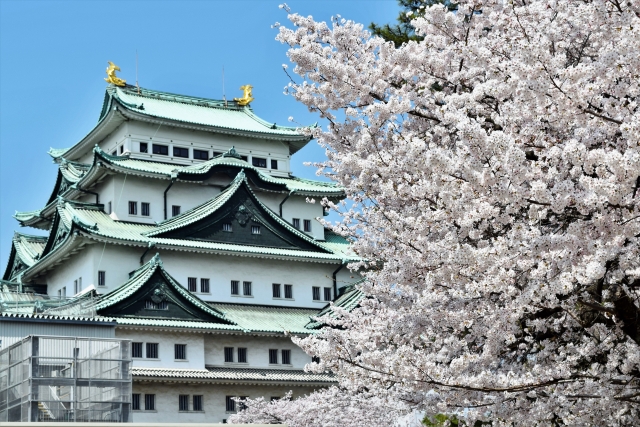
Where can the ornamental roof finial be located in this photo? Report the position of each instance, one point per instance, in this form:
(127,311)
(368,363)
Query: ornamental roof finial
(111,75)
(246,96)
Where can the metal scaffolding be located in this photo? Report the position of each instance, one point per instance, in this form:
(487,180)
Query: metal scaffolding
(47,378)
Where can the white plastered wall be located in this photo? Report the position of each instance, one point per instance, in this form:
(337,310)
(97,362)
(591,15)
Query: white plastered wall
(166,341)
(257,351)
(80,266)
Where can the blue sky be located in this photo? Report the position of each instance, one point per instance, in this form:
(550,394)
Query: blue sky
(53,55)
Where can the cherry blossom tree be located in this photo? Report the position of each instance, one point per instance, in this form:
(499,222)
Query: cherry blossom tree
(494,170)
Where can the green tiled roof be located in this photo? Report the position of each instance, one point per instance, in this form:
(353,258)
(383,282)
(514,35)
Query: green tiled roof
(28,247)
(174,323)
(235,374)
(58,152)
(256,318)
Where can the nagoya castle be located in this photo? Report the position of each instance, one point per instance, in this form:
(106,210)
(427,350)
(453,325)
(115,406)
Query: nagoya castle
(180,256)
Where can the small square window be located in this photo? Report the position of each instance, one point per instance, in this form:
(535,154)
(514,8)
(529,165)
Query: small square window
(175,210)
(288,291)
(296,223)
(144,209)
(327,294)
(135,401)
(183,402)
(227,227)
(228,354)
(307,225)
(75,287)
(193,284)
(273,357)
(101,278)
(204,286)
(197,403)
(136,349)
(315,359)
(200,155)
(180,152)
(245,158)
(235,287)
(274,164)
(163,150)
(230,404)
(144,147)
(109,208)
(180,351)
(121,149)
(149,402)
(242,355)
(152,350)
(276,290)
(246,287)
(316,293)
(255,229)
(286,357)
(133,208)
(259,162)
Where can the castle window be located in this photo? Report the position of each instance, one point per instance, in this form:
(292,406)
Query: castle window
(150,305)
(144,147)
(216,153)
(180,351)
(180,152)
(163,150)
(276,290)
(274,164)
(133,208)
(144,209)
(286,357)
(259,162)
(228,354)
(227,227)
(242,355)
(246,287)
(121,149)
(152,350)
(288,291)
(197,403)
(316,293)
(231,404)
(204,286)
(200,155)
(109,208)
(245,158)
(296,223)
(193,284)
(149,402)
(307,225)
(175,210)
(183,402)
(255,229)
(136,349)
(75,287)
(101,278)
(327,294)
(273,357)
(235,287)
(135,401)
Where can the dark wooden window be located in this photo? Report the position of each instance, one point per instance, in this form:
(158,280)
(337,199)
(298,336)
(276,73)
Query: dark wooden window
(109,208)
(204,286)
(288,291)
(231,404)
(327,294)
(121,149)
(150,402)
(152,350)
(163,150)
(200,155)
(274,398)
(216,153)
(180,152)
(228,354)
(296,223)
(273,357)
(180,351)
(274,164)
(227,227)
(276,290)
(133,208)
(242,355)
(286,357)
(101,278)
(245,158)
(183,402)
(144,147)
(136,349)
(135,401)
(144,209)
(255,229)
(193,284)
(259,162)
(315,359)
(246,288)
(235,287)
(197,403)
(175,210)
(316,293)
(307,225)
